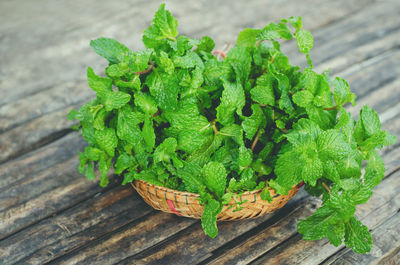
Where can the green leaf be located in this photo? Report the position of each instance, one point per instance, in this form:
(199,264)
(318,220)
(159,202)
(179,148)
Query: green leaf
(206,44)
(240,60)
(99,120)
(323,223)
(342,92)
(275,31)
(295,21)
(124,161)
(247,37)
(263,92)
(370,121)
(115,100)
(104,167)
(132,83)
(128,125)
(165,151)
(304,41)
(189,60)
(117,70)
(304,132)
(148,132)
(89,173)
(187,117)
(376,141)
(164,88)
(209,218)
(245,157)
(375,169)
(248,180)
(254,122)
(303,98)
(93,153)
(332,145)
(214,70)
(232,100)
(298,164)
(358,236)
(191,140)
(215,177)
(324,119)
(189,174)
(72,115)
(165,62)
(146,103)
(99,84)
(197,78)
(82,162)
(106,140)
(164,26)
(139,61)
(110,49)
(266,195)
(234,131)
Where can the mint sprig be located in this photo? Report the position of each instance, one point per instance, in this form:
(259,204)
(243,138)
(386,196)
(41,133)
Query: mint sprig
(174,115)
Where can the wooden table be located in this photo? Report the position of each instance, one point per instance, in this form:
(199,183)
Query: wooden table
(51,214)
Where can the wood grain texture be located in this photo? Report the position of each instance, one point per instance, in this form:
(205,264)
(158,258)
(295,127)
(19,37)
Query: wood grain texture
(25,121)
(49,213)
(384,203)
(101,214)
(148,232)
(70,36)
(386,246)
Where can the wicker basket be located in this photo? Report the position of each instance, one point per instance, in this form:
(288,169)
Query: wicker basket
(187,204)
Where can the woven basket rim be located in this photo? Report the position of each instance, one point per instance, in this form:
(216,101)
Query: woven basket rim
(196,195)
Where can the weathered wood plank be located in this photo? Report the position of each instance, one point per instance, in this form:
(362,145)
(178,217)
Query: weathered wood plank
(133,238)
(46,204)
(32,107)
(38,112)
(386,246)
(359,36)
(42,103)
(37,133)
(186,250)
(382,205)
(53,186)
(188,245)
(64,45)
(380,77)
(27,166)
(65,246)
(101,214)
(254,246)
(393,157)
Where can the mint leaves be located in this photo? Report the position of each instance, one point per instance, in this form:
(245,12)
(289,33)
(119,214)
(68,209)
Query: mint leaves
(175,115)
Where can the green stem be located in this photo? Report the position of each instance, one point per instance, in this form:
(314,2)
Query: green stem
(214,127)
(253,145)
(145,71)
(326,187)
(331,108)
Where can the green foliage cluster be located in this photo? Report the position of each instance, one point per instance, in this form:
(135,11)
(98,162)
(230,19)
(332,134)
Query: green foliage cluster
(175,115)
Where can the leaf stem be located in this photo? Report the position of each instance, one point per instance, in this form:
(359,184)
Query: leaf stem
(253,145)
(326,187)
(214,127)
(283,130)
(331,108)
(151,66)
(156,114)
(219,52)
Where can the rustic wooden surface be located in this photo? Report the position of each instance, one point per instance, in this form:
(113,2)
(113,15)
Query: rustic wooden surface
(51,214)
